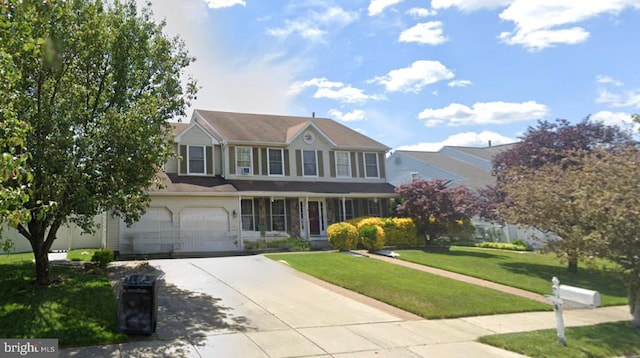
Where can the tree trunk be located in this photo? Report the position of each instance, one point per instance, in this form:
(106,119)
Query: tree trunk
(41,244)
(43,275)
(573,256)
(634,299)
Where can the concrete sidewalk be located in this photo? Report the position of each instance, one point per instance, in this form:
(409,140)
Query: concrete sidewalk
(251,306)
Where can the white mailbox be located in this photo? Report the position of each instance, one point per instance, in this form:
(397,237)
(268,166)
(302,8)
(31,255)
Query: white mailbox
(579,295)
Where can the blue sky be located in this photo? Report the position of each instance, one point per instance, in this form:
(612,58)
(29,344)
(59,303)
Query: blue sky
(416,74)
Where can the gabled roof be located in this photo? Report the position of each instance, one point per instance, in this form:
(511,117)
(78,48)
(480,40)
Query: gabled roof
(486,153)
(449,159)
(276,129)
(473,177)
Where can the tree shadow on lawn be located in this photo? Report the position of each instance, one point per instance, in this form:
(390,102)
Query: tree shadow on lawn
(606,282)
(183,316)
(460,253)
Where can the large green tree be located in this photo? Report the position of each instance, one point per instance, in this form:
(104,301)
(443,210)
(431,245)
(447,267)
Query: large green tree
(97,84)
(13,159)
(593,202)
(549,143)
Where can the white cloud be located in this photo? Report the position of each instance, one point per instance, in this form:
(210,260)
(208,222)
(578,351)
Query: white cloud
(620,119)
(429,33)
(413,78)
(626,99)
(483,113)
(219,4)
(470,5)
(420,12)
(353,116)
(544,23)
(333,90)
(245,82)
(540,24)
(608,80)
(460,83)
(376,7)
(314,25)
(465,139)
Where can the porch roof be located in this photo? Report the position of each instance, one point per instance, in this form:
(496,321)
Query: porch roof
(336,188)
(201,184)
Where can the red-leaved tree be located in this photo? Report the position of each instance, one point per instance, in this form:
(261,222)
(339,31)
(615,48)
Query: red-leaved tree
(438,209)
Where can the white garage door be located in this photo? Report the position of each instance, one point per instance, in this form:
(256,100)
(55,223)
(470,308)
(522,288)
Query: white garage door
(153,233)
(205,229)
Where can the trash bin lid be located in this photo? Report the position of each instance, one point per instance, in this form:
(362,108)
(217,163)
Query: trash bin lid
(139,280)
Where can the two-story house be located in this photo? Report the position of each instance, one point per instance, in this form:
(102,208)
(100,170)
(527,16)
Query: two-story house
(241,177)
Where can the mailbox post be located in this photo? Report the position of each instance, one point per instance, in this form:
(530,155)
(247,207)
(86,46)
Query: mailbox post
(573,295)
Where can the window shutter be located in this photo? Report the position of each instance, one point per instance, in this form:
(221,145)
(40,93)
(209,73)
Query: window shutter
(287,169)
(209,159)
(265,162)
(256,161)
(183,161)
(298,162)
(320,163)
(354,172)
(361,164)
(232,160)
(381,160)
(332,164)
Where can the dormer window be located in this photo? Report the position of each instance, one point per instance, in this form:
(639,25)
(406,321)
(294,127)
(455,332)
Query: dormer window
(197,162)
(309,163)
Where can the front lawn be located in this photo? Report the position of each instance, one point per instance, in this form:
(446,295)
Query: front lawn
(414,291)
(79,309)
(617,339)
(527,270)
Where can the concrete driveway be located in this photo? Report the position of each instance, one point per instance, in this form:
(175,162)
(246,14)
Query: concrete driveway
(251,306)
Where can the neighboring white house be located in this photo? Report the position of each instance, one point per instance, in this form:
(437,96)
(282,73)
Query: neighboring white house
(242,177)
(468,166)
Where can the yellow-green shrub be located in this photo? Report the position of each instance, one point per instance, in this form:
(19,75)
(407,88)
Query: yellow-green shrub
(372,236)
(400,232)
(342,236)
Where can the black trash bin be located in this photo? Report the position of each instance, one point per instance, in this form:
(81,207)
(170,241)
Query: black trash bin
(138,305)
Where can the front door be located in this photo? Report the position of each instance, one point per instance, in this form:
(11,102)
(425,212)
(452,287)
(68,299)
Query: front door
(315,226)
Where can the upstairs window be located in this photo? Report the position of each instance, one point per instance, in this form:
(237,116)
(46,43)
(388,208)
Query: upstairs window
(196,160)
(343,165)
(371,165)
(309,163)
(276,161)
(243,161)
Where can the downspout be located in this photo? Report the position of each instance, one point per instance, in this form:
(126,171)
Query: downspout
(239,218)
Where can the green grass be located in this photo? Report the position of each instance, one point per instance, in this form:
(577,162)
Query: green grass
(603,340)
(414,291)
(78,310)
(528,270)
(80,254)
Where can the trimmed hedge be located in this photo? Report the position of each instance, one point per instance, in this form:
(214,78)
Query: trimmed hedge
(502,246)
(342,236)
(397,231)
(371,236)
